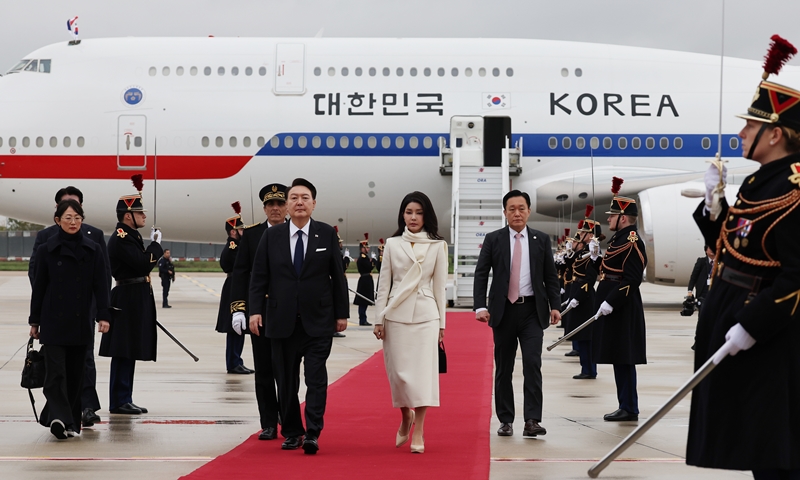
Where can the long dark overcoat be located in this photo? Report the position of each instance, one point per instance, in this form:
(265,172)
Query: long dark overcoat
(619,338)
(64,285)
(366,284)
(243,267)
(133,310)
(226,260)
(746,414)
(583,275)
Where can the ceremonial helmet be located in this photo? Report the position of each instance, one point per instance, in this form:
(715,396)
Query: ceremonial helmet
(382,244)
(273,191)
(365,242)
(621,205)
(336,228)
(236,220)
(132,203)
(587,224)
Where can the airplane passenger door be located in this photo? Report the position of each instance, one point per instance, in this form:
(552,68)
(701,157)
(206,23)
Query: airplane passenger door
(132,142)
(289,69)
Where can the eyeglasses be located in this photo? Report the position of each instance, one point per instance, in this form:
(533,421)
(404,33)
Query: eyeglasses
(70,219)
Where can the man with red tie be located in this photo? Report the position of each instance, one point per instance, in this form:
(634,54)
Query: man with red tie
(523,301)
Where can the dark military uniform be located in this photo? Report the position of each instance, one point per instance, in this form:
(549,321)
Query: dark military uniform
(234,343)
(366,287)
(166,271)
(132,335)
(582,274)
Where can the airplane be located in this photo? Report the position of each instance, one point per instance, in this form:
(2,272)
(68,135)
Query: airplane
(209,121)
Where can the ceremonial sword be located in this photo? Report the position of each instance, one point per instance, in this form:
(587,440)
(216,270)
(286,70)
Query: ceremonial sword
(572,333)
(176,341)
(362,296)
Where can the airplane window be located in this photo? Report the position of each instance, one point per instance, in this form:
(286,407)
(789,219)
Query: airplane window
(44,66)
(664,143)
(260,142)
(330,142)
(734,143)
(81,142)
(331,71)
(413,142)
(371,71)
(317,71)
(165,71)
(193,71)
(39,142)
(219,142)
(607,143)
(566,142)
(580,142)
(594,143)
(316,142)
(399,71)
(221,71)
(413,71)
(510,72)
(386,71)
(137,141)
(399,142)
(302,141)
(564,72)
(33,66)
(234,71)
(706,143)
(440,72)
(262,71)
(19,66)
(345,71)
(246,141)
(275,142)
(372,142)
(427,72)
(232,141)
(386,142)
(358,142)
(53,142)
(67,142)
(152,71)
(677,143)
(26,142)
(583,195)
(495,72)
(344,142)
(650,143)
(552,142)
(248,71)
(358,71)
(454,72)
(207,71)
(622,143)
(288,141)
(578,72)
(204,142)
(636,143)
(179,71)
(1,141)
(427,142)
(12,142)
(468,72)
(482,72)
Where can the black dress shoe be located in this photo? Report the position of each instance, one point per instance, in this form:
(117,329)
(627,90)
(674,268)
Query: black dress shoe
(584,376)
(339,335)
(127,409)
(532,429)
(240,370)
(144,410)
(292,443)
(269,433)
(621,416)
(89,417)
(572,353)
(365,324)
(505,430)
(311,445)
(167,306)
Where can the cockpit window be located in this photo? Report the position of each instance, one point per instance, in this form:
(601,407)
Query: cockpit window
(32,66)
(19,66)
(44,66)
(28,65)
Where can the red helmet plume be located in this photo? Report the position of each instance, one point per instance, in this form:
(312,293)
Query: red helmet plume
(366,236)
(237,207)
(589,210)
(138,182)
(780,51)
(616,184)
(566,232)
(381,241)
(580,224)
(336,227)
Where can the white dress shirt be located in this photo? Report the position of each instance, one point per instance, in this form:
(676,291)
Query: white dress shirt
(293,237)
(525,285)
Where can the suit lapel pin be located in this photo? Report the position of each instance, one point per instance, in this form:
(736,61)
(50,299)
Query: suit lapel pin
(534,237)
(316,236)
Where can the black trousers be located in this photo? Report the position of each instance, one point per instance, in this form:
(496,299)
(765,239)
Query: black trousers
(89,398)
(266,396)
(165,286)
(625,378)
(120,385)
(63,382)
(519,324)
(234,344)
(286,356)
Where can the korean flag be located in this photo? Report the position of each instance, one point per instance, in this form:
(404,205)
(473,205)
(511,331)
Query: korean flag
(494,101)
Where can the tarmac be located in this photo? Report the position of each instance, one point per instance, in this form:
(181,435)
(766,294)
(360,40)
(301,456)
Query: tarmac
(199,412)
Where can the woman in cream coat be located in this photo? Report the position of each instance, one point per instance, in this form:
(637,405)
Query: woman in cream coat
(411,304)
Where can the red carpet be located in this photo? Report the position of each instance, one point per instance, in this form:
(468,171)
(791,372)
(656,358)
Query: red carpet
(360,424)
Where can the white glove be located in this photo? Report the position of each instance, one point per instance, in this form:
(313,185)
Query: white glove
(562,291)
(347,253)
(594,248)
(239,322)
(711,180)
(573,303)
(605,309)
(568,246)
(373,256)
(155,235)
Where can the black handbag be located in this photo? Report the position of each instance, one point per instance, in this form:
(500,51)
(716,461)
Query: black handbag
(33,373)
(442,358)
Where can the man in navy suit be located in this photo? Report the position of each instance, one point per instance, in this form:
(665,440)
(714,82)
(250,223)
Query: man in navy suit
(523,302)
(298,273)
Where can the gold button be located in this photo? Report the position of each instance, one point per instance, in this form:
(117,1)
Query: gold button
(738,202)
(724,250)
(730,219)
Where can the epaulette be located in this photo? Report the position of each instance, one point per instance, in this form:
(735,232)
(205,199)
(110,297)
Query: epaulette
(363,255)
(795,176)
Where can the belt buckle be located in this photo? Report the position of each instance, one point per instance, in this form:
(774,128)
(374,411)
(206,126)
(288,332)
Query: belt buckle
(521,299)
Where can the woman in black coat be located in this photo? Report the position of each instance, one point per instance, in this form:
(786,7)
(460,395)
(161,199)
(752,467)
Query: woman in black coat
(70,270)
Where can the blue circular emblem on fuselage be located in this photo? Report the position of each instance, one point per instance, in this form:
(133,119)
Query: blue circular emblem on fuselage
(133,96)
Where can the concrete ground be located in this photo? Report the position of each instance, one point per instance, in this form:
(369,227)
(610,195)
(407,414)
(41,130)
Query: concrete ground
(199,411)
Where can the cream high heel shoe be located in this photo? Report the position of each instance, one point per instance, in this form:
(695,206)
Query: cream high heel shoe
(400,440)
(418,448)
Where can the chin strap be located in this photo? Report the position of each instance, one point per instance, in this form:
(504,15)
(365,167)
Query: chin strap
(755,142)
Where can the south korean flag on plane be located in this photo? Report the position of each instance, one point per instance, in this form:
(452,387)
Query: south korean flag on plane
(72,27)
(494,101)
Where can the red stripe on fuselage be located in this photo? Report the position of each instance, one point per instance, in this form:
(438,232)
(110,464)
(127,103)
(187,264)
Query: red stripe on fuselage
(170,167)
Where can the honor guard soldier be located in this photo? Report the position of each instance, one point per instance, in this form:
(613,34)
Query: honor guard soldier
(746,414)
(366,284)
(561,269)
(619,334)
(166,271)
(582,273)
(132,335)
(345,253)
(234,342)
(273,196)
(379,261)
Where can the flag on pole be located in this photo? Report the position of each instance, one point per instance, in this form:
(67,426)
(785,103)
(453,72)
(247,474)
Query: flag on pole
(72,26)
